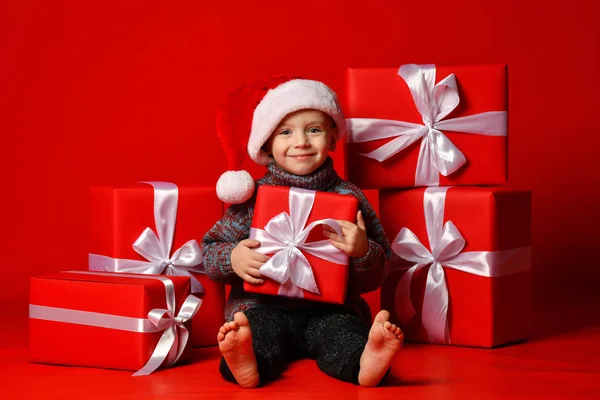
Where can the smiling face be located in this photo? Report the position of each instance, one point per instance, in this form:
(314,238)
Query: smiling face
(301,142)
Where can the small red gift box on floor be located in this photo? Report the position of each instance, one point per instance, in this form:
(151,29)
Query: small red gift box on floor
(157,228)
(424,125)
(303,263)
(108,320)
(461,272)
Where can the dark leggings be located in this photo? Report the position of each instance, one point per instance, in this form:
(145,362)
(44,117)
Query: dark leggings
(335,339)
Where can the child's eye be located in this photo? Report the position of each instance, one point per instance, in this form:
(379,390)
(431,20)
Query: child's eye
(285,132)
(314,130)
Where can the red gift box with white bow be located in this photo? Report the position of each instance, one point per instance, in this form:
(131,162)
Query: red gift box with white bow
(157,228)
(110,320)
(461,268)
(303,264)
(427,125)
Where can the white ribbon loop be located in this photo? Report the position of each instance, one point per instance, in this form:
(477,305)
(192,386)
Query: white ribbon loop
(150,247)
(434,102)
(286,235)
(156,249)
(437,155)
(447,244)
(451,243)
(161,318)
(175,335)
(409,247)
(445,98)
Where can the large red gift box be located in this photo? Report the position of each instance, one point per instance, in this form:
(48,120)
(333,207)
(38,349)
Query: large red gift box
(487,282)
(101,319)
(331,278)
(120,213)
(378,98)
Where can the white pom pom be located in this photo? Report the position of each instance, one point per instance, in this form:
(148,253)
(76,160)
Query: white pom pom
(234,187)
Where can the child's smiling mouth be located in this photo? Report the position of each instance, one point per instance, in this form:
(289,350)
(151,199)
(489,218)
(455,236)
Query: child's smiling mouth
(302,156)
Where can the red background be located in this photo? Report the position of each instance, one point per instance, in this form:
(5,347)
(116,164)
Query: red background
(113,91)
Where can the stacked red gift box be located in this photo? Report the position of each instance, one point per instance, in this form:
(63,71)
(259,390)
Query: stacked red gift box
(146,298)
(425,136)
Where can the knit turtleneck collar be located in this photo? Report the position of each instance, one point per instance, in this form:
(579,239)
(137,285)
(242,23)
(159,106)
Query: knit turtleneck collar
(321,179)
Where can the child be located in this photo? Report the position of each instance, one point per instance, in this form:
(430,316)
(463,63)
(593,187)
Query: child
(290,125)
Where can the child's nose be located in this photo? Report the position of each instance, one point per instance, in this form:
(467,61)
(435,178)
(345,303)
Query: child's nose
(302,140)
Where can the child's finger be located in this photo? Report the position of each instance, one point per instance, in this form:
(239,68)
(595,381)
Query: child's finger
(332,236)
(256,256)
(252,280)
(345,224)
(344,230)
(255,266)
(251,243)
(360,220)
(254,272)
(339,245)
(347,229)
(328,228)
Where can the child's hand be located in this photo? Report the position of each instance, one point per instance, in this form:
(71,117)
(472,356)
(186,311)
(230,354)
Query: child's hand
(354,241)
(246,262)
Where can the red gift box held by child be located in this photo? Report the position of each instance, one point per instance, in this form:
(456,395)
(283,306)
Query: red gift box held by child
(290,125)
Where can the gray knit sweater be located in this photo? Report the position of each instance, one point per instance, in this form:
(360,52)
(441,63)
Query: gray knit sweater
(366,274)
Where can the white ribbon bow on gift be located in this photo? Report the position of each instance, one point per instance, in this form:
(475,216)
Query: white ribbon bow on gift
(437,155)
(285,235)
(156,249)
(446,244)
(171,343)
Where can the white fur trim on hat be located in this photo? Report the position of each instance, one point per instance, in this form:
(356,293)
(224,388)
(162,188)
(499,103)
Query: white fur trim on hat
(234,187)
(291,96)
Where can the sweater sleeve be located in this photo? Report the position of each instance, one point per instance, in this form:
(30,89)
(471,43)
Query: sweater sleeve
(368,272)
(219,241)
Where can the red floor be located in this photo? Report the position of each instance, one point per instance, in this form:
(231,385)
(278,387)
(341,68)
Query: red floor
(563,362)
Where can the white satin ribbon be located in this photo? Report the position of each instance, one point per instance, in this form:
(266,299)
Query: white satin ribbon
(446,244)
(156,249)
(437,155)
(175,335)
(285,235)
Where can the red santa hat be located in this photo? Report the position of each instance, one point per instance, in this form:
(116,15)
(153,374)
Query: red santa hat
(250,115)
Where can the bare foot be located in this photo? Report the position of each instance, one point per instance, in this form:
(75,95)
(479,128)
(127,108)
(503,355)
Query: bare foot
(384,342)
(235,343)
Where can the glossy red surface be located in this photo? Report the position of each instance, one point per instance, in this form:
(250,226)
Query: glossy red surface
(564,363)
